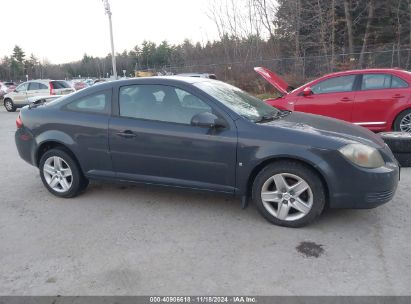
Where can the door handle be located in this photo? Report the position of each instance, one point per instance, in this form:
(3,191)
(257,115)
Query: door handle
(126,134)
(398,96)
(346,99)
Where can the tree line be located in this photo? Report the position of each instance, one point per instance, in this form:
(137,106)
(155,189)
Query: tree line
(299,39)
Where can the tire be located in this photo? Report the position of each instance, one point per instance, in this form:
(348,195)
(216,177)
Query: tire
(9,105)
(404,159)
(310,202)
(399,142)
(403,117)
(55,176)
(84,184)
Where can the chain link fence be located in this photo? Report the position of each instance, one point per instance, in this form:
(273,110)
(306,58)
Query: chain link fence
(297,70)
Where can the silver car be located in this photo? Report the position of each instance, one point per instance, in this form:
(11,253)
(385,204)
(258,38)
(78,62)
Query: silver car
(27,90)
(199,75)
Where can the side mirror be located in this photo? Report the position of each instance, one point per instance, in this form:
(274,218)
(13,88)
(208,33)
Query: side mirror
(207,120)
(307,91)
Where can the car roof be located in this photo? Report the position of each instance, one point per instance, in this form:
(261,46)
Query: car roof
(162,79)
(38,80)
(44,81)
(364,71)
(156,80)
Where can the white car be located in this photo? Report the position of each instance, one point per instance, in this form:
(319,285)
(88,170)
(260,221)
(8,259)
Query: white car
(3,89)
(24,92)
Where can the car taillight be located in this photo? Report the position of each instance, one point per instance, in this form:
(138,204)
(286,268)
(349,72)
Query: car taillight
(52,89)
(19,122)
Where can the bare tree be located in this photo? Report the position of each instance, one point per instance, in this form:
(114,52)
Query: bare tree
(266,10)
(349,25)
(371,8)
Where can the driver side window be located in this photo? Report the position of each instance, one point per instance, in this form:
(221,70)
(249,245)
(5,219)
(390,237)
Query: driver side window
(335,85)
(22,88)
(160,103)
(97,103)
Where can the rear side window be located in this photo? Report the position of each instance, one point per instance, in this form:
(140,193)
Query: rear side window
(160,103)
(22,87)
(33,86)
(334,85)
(398,83)
(376,81)
(382,81)
(37,86)
(96,103)
(60,85)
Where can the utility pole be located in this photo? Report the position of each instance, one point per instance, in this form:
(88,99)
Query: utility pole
(113,55)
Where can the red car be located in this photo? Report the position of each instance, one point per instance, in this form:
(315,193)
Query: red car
(378,99)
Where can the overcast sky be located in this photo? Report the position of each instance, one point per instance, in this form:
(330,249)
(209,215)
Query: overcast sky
(63,30)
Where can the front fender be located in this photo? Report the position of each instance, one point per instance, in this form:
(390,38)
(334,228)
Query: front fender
(257,159)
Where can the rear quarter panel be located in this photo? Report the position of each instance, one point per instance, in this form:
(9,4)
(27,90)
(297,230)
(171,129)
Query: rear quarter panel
(85,135)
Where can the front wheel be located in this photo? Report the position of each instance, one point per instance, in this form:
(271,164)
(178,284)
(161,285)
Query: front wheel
(289,194)
(9,105)
(61,174)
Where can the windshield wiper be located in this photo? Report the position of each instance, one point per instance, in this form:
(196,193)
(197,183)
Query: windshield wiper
(271,116)
(37,103)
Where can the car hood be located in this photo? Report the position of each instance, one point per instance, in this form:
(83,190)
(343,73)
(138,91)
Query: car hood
(275,80)
(339,130)
(10,94)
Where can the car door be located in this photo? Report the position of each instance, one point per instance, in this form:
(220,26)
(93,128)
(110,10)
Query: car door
(333,97)
(380,92)
(152,140)
(20,94)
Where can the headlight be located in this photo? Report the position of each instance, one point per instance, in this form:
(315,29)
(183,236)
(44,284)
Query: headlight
(363,156)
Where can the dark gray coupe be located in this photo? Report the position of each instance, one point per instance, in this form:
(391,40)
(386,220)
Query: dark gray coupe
(205,134)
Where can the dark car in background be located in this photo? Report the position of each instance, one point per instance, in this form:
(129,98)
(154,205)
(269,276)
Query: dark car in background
(204,134)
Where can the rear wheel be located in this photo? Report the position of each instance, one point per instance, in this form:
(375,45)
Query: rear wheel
(9,105)
(403,122)
(60,174)
(289,194)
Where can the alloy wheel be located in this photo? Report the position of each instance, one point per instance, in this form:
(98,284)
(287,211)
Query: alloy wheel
(8,105)
(287,197)
(58,174)
(405,124)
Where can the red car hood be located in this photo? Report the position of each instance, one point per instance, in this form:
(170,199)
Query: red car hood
(278,83)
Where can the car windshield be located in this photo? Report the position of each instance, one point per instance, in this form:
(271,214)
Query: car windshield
(238,101)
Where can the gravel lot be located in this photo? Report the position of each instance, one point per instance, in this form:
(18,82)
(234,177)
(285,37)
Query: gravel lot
(138,240)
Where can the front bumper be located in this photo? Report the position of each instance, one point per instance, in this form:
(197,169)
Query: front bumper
(354,187)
